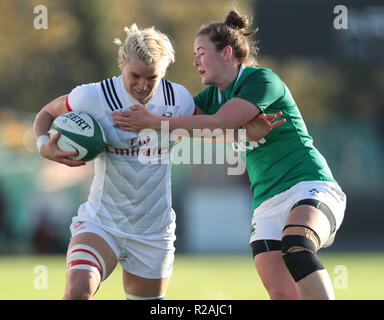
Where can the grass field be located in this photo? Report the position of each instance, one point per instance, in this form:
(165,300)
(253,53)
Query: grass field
(355,276)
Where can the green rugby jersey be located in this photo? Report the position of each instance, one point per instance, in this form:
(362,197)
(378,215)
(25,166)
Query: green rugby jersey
(286,155)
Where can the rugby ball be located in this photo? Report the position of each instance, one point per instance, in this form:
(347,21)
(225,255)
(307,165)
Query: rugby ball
(81,133)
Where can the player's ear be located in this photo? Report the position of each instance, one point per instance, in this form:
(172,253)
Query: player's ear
(227,53)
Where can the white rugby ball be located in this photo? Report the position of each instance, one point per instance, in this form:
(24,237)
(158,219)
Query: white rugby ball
(81,133)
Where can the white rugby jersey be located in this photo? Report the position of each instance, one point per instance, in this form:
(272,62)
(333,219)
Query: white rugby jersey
(126,195)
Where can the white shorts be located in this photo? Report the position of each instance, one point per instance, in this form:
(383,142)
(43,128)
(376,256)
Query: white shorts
(149,256)
(269,218)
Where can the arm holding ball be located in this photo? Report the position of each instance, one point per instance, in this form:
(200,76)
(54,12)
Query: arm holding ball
(48,146)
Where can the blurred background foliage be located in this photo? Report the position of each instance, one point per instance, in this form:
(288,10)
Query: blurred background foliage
(341,99)
(77,47)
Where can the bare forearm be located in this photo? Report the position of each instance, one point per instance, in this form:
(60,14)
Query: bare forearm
(210,122)
(45,117)
(42,123)
(232,115)
(204,129)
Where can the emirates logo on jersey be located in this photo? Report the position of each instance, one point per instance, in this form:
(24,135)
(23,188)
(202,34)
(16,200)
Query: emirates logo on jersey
(139,146)
(137,151)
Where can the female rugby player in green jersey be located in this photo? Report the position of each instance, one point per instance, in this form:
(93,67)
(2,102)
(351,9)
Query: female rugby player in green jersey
(298,206)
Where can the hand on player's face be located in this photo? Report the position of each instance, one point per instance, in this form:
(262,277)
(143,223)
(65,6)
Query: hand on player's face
(51,151)
(261,125)
(137,119)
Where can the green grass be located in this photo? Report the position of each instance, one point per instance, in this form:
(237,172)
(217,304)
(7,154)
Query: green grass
(360,276)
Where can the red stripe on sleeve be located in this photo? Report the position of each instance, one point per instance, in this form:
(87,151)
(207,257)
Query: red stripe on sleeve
(194,112)
(67,104)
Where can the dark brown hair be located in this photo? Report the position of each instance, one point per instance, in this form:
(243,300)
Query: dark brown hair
(232,32)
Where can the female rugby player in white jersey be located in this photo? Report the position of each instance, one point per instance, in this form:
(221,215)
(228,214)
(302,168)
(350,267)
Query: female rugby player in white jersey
(128,215)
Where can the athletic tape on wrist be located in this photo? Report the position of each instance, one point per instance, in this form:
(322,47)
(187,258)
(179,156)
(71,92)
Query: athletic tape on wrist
(40,141)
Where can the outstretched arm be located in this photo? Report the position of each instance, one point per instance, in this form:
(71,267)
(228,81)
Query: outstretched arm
(234,114)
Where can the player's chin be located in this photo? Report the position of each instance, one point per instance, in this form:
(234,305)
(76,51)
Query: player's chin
(141,97)
(206,81)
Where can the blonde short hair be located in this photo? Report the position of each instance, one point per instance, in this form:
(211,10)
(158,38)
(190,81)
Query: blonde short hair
(148,45)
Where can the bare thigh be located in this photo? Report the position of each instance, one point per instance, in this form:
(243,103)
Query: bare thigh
(308,216)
